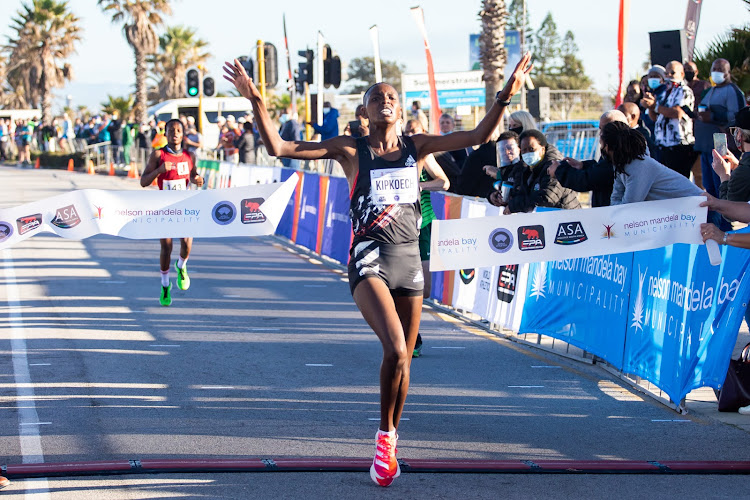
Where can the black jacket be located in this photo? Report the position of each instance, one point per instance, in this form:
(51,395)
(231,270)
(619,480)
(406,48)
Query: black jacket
(598,177)
(246,145)
(737,188)
(533,187)
(472,181)
(451,169)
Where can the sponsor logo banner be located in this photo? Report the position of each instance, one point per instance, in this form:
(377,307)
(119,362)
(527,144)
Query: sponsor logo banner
(521,238)
(151,214)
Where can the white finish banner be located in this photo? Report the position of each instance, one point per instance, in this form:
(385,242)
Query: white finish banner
(564,234)
(243,211)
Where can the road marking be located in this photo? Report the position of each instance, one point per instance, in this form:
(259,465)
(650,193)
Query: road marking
(214,387)
(671,420)
(434,347)
(164,345)
(31,441)
(232,296)
(545,366)
(317,364)
(40,364)
(37,423)
(113,282)
(526,387)
(268,328)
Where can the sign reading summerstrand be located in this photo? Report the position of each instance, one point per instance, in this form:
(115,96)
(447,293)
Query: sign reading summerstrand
(566,234)
(243,211)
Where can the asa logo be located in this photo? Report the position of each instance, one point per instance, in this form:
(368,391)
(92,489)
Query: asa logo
(224,213)
(66,217)
(467,275)
(250,211)
(530,238)
(28,223)
(570,233)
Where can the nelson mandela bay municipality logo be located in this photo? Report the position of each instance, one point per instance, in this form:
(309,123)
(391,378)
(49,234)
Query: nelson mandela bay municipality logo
(501,240)
(6,231)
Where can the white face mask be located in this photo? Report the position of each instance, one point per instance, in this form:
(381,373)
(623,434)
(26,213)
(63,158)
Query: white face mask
(326,111)
(532,158)
(717,77)
(284,118)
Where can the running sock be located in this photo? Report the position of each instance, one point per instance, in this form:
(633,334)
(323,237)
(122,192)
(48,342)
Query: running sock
(181,262)
(387,433)
(164,277)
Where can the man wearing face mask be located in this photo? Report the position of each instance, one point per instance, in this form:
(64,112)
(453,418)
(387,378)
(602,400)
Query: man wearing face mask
(716,113)
(697,85)
(532,184)
(595,176)
(508,152)
(672,112)
(330,127)
(654,87)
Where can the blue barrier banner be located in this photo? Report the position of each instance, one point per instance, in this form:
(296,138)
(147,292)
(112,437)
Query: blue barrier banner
(438,206)
(307,232)
(285,225)
(337,231)
(582,301)
(684,316)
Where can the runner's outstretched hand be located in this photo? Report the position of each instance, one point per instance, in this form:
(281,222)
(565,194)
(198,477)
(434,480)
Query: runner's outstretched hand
(516,81)
(236,75)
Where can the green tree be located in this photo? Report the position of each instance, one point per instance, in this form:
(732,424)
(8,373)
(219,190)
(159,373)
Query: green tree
(362,70)
(492,53)
(179,49)
(515,21)
(45,35)
(546,50)
(123,106)
(139,18)
(571,74)
(734,46)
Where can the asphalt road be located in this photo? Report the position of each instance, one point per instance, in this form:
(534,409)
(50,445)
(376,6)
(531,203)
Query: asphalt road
(267,356)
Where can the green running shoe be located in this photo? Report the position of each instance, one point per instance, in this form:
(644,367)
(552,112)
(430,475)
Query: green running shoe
(183,280)
(417,347)
(165,298)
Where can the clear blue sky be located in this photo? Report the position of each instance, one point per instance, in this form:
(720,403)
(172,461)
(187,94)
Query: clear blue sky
(104,62)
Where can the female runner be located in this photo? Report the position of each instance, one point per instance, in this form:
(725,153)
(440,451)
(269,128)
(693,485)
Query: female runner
(385,271)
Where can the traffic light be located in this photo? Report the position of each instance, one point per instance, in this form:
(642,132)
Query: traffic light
(247,63)
(300,78)
(193,81)
(208,87)
(271,64)
(331,68)
(306,73)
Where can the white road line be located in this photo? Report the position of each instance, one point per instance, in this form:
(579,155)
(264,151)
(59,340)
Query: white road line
(526,387)
(232,296)
(269,329)
(213,387)
(31,440)
(164,345)
(113,282)
(671,420)
(545,366)
(40,364)
(317,364)
(37,423)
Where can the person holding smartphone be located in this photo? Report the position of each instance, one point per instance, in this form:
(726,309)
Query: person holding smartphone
(734,174)
(385,271)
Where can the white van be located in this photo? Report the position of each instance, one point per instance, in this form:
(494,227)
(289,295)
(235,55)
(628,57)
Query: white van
(213,107)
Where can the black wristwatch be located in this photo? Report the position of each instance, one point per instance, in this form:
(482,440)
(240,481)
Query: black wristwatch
(503,103)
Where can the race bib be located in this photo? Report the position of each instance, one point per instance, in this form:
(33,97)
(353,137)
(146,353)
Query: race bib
(174,185)
(394,185)
(182,167)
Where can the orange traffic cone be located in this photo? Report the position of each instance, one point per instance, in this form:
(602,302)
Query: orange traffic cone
(36,164)
(133,171)
(111,169)
(70,165)
(91,167)
(155,183)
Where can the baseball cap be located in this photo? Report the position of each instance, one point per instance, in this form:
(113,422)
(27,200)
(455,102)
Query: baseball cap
(230,118)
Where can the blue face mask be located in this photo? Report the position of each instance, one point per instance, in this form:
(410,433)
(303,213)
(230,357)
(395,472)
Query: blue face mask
(531,158)
(326,111)
(654,83)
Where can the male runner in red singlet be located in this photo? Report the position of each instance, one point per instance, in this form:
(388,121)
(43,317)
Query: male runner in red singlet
(173,169)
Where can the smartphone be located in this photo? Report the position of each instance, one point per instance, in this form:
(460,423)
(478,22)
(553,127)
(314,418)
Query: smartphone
(720,144)
(354,126)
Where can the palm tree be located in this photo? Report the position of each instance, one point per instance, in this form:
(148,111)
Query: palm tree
(492,54)
(179,49)
(123,106)
(139,17)
(45,35)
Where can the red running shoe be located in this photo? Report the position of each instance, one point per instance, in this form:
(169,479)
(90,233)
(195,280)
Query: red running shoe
(385,467)
(3,482)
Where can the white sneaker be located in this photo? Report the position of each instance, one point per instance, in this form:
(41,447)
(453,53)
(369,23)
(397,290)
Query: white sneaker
(745,410)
